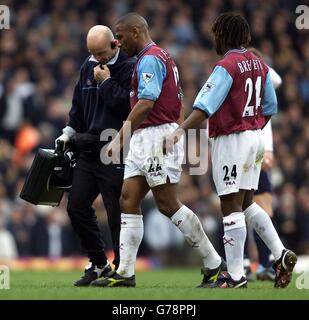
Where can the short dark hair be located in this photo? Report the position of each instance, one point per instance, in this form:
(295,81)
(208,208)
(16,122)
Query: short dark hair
(133,19)
(231,30)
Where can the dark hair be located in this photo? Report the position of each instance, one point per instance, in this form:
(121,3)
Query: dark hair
(133,19)
(231,30)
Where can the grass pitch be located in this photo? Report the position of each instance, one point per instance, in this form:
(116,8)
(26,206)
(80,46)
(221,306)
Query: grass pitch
(161,284)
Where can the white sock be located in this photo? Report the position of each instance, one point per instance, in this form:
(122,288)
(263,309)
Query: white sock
(262,224)
(234,238)
(131,235)
(189,224)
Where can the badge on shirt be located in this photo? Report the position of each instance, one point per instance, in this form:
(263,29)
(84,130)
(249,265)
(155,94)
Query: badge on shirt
(208,86)
(147,76)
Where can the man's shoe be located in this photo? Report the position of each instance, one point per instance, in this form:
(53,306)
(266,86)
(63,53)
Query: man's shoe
(225,281)
(249,274)
(93,273)
(265,274)
(211,275)
(284,268)
(115,280)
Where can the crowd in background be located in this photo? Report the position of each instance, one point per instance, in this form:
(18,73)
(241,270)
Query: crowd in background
(40,58)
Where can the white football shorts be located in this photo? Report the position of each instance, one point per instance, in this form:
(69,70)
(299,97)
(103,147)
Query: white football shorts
(145,156)
(237,160)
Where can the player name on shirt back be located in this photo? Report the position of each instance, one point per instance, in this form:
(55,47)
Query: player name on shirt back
(247,65)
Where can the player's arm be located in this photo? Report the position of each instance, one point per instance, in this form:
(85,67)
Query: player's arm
(182,110)
(181,115)
(151,73)
(275,78)
(136,117)
(268,160)
(269,102)
(209,99)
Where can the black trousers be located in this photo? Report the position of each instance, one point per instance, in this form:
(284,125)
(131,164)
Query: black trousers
(90,178)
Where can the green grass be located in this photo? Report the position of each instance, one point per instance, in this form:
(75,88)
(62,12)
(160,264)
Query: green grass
(158,285)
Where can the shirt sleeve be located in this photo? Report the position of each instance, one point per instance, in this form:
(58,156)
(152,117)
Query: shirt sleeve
(212,95)
(151,73)
(269,102)
(275,78)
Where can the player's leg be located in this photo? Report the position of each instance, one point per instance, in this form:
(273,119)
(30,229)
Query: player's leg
(189,224)
(249,250)
(234,157)
(234,238)
(133,191)
(264,200)
(263,197)
(83,219)
(285,259)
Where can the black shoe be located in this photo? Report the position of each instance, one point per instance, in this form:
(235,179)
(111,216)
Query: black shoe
(211,275)
(225,281)
(284,268)
(115,280)
(92,274)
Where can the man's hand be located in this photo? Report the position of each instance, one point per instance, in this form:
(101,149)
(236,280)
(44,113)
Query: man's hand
(268,161)
(170,140)
(64,139)
(101,73)
(113,150)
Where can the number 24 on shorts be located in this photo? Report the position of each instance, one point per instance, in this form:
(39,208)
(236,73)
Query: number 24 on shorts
(228,175)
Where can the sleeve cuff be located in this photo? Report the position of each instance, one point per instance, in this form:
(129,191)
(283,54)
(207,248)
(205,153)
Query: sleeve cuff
(151,98)
(69,131)
(200,108)
(104,81)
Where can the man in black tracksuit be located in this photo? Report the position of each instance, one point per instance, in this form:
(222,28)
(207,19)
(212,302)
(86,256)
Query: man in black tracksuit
(100,101)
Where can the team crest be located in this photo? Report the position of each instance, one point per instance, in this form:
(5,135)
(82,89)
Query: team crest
(147,76)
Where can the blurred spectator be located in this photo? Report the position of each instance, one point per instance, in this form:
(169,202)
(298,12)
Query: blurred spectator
(7,243)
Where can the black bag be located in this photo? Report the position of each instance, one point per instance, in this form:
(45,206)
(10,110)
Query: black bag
(63,170)
(49,176)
